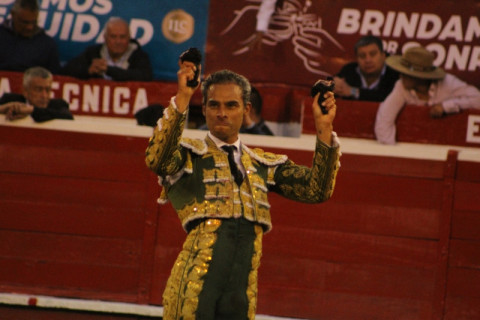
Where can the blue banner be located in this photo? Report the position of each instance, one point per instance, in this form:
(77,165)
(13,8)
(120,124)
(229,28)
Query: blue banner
(164,28)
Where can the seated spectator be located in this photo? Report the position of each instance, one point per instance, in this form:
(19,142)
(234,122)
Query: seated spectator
(369,78)
(253,122)
(120,58)
(36,100)
(23,43)
(422,83)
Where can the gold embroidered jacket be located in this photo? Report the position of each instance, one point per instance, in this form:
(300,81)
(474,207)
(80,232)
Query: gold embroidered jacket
(196,178)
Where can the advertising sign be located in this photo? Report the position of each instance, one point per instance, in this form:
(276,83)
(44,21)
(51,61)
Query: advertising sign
(307,40)
(164,28)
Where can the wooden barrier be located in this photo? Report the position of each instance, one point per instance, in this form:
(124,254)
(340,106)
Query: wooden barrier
(356,119)
(286,108)
(398,239)
(103,98)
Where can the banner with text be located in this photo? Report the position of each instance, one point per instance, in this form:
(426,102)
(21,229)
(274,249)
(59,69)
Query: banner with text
(164,28)
(98,97)
(307,40)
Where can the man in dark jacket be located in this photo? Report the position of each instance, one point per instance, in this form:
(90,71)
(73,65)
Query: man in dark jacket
(120,58)
(23,43)
(36,100)
(368,78)
(253,122)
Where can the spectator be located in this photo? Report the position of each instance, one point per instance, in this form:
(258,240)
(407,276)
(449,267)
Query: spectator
(368,78)
(253,122)
(421,83)
(119,58)
(36,100)
(23,43)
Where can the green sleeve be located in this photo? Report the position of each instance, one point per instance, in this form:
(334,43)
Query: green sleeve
(310,185)
(164,155)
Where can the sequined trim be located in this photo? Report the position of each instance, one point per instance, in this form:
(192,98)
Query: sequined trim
(196,145)
(271,175)
(180,298)
(267,158)
(164,142)
(252,290)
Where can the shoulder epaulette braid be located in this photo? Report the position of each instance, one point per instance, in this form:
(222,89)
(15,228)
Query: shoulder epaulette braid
(267,158)
(197,146)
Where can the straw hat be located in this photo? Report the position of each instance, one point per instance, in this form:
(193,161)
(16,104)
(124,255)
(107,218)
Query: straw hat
(416,62)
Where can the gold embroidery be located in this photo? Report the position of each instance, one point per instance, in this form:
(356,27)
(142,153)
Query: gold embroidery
(160,150)
(196,145)
(267,158)
(209,175)
(220,159)
(312,185)
(252,290)
(220,208)
(224,189)
(211,191)
(271,175)
(188,162)
(185,283)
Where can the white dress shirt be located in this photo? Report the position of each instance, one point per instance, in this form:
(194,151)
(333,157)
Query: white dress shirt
(453,93)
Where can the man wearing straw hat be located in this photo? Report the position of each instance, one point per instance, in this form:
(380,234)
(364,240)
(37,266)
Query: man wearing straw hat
(421,83)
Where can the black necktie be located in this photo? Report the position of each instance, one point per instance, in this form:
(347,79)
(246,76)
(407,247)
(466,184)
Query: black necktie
(237,174)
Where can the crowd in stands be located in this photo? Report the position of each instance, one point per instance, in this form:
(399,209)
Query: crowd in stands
(396,81)
(393,81)
(27,48)
(423,84)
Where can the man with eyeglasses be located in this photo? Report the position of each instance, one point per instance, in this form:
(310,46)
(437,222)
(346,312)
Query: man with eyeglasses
(36,100)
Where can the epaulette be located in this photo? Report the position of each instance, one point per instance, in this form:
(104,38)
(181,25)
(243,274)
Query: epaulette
(266,158)
(197,146)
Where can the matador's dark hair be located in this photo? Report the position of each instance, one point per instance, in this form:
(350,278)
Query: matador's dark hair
(223,77)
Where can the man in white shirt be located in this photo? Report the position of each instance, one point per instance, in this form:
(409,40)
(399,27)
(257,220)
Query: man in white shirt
(422,83)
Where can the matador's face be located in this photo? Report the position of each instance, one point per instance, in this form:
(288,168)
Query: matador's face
(224,111)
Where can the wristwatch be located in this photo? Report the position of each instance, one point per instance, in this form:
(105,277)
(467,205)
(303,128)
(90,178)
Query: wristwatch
(355,92)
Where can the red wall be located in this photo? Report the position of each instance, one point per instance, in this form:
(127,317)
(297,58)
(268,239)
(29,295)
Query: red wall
(356,119)
(77,214)
(398,240)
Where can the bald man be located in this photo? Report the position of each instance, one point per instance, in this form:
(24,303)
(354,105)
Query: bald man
(119,58)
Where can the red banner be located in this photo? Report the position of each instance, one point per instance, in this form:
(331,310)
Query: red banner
(311,39)
(97,97)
